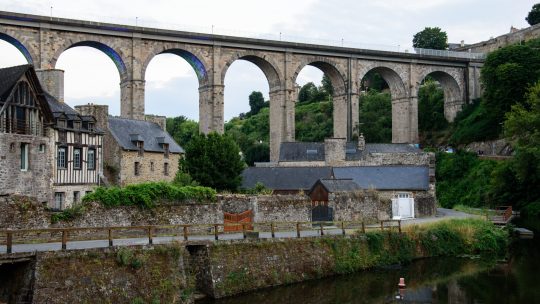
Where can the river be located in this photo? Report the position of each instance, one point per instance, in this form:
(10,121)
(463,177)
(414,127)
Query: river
(435,280)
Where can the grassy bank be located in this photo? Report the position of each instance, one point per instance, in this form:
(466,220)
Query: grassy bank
(294,260)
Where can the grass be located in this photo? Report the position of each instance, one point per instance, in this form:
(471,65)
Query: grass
(476,211)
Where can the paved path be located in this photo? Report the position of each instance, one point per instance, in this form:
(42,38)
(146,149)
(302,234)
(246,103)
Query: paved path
(442,214)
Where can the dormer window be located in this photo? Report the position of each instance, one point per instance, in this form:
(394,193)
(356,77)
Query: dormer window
(91,126)
(61,123)
(77,125)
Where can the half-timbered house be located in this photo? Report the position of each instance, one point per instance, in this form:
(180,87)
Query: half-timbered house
(78,158)
(25,119)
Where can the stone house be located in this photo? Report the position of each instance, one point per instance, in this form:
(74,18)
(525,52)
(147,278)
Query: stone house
(136,150)
(25,120)
(77,146)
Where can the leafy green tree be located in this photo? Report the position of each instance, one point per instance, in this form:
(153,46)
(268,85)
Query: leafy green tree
(307,92)
(256,102)
(182,129)
(431,38)
(259,152)
(534,15)
(373,81)
(214,161)
(314,121)
(506,75)
(327,85)
(431,107)
(376,117)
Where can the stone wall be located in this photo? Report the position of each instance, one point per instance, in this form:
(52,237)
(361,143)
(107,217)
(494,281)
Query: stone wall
(498,42)
(147,171)
(364,206)
(113,275)
(37,180)
(499,147)
(372,159)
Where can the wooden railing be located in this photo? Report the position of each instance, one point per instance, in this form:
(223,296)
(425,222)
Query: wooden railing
(186,231)
(501,214)
(22,127)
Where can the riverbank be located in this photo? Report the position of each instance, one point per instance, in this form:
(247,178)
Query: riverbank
(226,268)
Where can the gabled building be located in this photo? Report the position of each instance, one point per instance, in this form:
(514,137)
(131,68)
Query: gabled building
(77,145)
(25,120)
(136,151)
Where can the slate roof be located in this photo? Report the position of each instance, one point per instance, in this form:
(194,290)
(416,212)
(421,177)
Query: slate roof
(122,130)
(314,151)
(9,77)
(59,107)
(284,178)
(387,177)
(338,185)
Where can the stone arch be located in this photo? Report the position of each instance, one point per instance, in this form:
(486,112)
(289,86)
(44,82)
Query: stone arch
(10,38)
(342,118)
(454,94)
(194,60)
(263,62)
(402,108)
(328,67)
(116,56)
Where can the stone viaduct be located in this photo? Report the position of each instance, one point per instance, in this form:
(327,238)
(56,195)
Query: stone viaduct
(43,39)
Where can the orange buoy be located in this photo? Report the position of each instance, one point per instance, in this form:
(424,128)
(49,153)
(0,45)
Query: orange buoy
(401,283)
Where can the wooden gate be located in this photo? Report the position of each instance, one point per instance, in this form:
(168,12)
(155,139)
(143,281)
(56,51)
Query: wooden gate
(245,217)
(320,212)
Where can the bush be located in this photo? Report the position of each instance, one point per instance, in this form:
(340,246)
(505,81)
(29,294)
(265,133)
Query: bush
(69,214)
(148,195)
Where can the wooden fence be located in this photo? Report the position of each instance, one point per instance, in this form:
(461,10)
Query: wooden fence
(184,231)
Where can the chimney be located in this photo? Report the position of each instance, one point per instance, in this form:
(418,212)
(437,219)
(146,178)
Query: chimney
(100,113)
(160,120)
(334,151)
(52,81)
(361,142)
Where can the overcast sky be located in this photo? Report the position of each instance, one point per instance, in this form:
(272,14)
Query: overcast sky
(171,84)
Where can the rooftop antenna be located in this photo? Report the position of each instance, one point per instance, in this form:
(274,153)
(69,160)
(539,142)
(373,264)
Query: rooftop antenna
(136,21)
(51,11)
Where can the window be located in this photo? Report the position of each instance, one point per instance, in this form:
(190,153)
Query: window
(166,168)
(91,159)
(77,158)
(24,157)
(62,137)
(77,125)
(137,169)
(140,145)
(61,123)
(152,166)
(166,148)
(58,200)
(41,148)
(91,126)
(76,197)
(61,158)
(77,137)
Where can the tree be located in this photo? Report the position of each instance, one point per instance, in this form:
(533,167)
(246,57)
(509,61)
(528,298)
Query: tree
(431,38)
(259,152)
(256,102)
(327,85)
(182,129)
(431,107)
(214,161)
(307,92)
(534,15)
(376,117)
(506,75)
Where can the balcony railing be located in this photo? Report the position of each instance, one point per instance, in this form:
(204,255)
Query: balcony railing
(24,127)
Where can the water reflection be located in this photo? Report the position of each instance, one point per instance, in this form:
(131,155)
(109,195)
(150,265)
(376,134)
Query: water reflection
(440,280)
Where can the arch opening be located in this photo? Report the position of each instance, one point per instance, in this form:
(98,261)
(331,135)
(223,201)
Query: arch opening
(338,108)
(107,50)
(384,115)
(250,87)
(313,106)
(193,61)
(19,46)
(171,90)
(90,76)
(453,93)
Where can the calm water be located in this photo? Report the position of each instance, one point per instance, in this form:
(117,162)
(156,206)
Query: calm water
(441,280)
